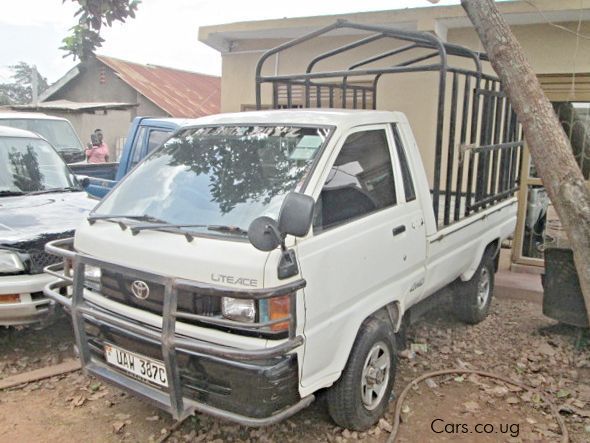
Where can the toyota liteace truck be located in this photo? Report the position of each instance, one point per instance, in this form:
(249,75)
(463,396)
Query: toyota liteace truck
(258,258)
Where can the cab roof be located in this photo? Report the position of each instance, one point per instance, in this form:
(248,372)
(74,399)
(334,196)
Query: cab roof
(312,117)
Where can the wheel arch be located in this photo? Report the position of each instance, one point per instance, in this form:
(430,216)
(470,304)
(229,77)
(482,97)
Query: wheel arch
(347,399)
(391,313)
(487,247)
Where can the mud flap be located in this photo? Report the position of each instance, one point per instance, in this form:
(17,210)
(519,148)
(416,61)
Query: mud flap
(562,295)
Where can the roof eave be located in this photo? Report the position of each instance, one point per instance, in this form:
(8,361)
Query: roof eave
(59,84)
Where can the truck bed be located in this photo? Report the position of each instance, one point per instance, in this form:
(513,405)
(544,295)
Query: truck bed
(477,137)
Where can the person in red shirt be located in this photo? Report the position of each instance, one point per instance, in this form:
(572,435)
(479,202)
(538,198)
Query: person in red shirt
(97,151)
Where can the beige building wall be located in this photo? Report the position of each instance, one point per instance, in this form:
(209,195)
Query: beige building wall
(114,123)
(96,83)
(147,108)
(99,83)
(550,50)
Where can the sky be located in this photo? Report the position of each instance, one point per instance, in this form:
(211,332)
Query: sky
(164,32)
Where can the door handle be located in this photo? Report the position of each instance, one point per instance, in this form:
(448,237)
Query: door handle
(399,230)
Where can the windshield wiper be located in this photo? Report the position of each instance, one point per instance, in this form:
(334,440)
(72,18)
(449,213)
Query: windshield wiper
(93,218)
(137,228)
(228,228)
(155,223)
(6,193)
(220,228)
(48,191)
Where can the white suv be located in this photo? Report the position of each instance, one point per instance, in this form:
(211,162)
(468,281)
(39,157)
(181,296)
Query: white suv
(57,131)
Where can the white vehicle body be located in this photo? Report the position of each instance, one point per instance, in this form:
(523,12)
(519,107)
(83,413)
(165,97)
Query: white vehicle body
(56,130)
(351,271)
(30,216)
(31,306)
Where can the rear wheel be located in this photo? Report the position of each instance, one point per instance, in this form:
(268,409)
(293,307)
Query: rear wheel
(472,299)
(360,397)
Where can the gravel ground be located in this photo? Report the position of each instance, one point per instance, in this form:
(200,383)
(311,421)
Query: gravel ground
(516,341)
(26,348)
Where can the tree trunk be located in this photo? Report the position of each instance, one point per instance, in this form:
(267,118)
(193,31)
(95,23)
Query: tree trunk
(550,148)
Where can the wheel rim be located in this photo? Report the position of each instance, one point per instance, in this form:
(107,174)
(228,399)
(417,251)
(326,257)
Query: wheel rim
(375,376)
(483,288)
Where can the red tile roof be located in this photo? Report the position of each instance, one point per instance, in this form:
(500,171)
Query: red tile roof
(179,93)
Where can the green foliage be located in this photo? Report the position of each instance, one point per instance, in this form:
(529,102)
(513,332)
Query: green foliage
(92,15)
(20,90)
(4,99)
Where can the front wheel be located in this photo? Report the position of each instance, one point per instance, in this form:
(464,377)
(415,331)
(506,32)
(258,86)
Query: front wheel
(472,299)
(359,398)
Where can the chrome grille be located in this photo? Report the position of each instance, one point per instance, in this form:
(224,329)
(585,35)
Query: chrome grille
(117,287)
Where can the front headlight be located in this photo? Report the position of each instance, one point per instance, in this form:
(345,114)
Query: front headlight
(92,276)
(238,309)
(10,262)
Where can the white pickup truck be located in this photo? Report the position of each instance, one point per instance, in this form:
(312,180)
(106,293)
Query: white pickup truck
(178,225)
(257,258)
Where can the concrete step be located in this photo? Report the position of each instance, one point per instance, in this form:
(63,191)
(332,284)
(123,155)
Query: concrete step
(518,286)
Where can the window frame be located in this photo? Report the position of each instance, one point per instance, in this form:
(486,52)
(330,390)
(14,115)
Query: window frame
(395,130)
(395,169)
(148,137)
(135,156)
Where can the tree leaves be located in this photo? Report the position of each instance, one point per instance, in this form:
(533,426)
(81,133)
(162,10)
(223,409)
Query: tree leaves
(85,37)
(20,91)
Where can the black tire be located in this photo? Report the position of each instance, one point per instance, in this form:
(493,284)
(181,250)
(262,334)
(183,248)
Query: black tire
(345,398)
(472,299)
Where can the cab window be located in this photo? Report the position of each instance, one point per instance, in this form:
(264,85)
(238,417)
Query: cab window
(359,183)
(156,138)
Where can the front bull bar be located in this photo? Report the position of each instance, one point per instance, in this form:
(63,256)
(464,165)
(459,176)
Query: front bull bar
(72,280)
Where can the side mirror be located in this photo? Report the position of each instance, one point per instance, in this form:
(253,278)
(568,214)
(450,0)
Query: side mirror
(295,219)
(263,233)
(296,214)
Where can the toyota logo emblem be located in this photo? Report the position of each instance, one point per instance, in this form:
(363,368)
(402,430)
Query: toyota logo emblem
(140,289)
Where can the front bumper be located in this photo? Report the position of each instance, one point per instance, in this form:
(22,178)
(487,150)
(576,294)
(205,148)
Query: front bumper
(255,390)
(33,306)
(253,387)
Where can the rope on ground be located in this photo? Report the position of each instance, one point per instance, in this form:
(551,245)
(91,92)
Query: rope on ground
(398,406)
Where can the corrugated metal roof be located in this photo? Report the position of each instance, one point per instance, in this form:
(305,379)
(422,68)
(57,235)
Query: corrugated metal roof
(179,93)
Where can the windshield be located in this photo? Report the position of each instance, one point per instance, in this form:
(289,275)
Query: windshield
(222,175)
(30,165)
(58,132)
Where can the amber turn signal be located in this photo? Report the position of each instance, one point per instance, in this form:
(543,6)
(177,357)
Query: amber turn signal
(9,298)
(279,307)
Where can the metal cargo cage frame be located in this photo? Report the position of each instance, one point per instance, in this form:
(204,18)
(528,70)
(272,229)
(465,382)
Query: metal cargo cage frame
(478,142)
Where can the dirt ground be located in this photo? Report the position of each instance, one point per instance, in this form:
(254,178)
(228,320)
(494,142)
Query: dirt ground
(516,341)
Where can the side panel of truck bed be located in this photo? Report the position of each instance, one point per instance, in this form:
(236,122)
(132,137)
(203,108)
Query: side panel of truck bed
(457,250)
(105,171)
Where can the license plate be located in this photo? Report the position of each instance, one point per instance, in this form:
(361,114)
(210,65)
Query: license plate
(143,367)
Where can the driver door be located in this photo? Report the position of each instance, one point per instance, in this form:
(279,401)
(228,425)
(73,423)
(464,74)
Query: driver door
(368,247)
